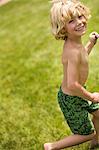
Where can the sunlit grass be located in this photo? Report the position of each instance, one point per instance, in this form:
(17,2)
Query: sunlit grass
(31,73)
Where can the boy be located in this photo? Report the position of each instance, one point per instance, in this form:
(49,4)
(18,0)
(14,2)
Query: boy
(69,22)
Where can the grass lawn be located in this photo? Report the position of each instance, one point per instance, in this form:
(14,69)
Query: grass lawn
(31,73)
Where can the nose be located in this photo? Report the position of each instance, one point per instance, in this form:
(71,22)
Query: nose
(78,21)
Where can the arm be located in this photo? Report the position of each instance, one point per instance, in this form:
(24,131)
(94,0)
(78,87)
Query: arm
(92,41)
(73,80)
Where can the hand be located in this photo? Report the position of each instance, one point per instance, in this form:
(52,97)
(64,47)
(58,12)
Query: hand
(95,96)
(93,37)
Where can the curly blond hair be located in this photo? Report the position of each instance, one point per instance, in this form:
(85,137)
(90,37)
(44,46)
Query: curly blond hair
(65,10)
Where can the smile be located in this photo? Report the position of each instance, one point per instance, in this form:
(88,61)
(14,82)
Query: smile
(80,28)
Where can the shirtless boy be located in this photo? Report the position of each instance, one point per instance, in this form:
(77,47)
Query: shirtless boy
(69,23)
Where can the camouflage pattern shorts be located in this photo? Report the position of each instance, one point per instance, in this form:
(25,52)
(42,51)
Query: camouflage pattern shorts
(76,112)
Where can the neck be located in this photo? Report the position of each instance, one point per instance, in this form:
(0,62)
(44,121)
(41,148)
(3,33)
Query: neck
(75,40)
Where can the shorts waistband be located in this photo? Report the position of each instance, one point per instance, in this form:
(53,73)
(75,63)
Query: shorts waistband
(60,90)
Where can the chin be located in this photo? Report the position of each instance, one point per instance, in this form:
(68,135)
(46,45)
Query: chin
(81,33)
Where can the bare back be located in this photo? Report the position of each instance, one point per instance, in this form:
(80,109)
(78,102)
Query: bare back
(75,66)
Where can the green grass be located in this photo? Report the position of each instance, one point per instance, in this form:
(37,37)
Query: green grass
(31,73)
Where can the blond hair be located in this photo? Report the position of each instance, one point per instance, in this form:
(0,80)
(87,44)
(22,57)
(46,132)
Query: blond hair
(62,11)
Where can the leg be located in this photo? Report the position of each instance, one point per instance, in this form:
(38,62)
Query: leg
(95,140)
(68,142)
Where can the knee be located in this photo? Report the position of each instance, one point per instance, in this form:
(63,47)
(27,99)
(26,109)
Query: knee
(93,134)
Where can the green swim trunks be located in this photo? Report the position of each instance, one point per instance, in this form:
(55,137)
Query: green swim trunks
(76,112)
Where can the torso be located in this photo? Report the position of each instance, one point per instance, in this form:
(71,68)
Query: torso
(83,69)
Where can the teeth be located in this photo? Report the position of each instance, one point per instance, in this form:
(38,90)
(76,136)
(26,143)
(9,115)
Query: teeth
(79,28)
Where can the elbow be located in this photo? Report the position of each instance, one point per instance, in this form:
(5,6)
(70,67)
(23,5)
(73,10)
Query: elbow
(72,87)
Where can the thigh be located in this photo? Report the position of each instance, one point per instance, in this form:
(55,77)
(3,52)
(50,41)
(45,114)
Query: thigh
(75,112)
(80,122)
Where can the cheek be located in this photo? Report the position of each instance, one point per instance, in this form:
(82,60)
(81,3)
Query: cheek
(71,27)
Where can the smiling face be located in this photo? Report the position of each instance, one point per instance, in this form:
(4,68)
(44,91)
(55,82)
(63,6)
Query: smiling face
(76,26)
(68,18)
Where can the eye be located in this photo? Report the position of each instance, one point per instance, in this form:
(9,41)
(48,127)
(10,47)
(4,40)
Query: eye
(80,16)
(71,21)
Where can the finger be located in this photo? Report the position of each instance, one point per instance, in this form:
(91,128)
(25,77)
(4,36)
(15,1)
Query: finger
(97,36)
(94,33)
